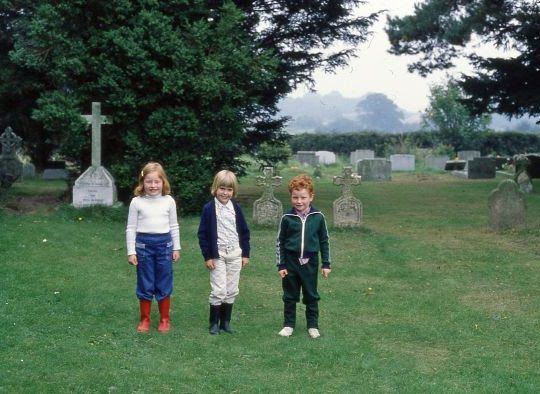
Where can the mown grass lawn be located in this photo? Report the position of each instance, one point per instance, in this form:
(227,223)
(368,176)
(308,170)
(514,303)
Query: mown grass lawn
(423,298)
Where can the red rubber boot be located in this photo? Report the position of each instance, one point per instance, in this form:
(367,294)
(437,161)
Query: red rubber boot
(145,307)
(164,307)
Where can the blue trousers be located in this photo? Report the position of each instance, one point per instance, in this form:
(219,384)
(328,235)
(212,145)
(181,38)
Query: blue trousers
(154,269)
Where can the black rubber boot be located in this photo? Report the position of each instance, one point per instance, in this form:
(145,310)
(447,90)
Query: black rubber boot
(215,311)
(225,318)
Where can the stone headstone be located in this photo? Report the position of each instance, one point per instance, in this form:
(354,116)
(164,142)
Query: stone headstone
(347,208)
(307,157)
(402,162)
(28,171)
(534,165)
(361,154)
(436,162)
(326,157)
(10,165)
(507,206)
(375,169)
(521,173)
(96,185)
(481,168)
(267,210)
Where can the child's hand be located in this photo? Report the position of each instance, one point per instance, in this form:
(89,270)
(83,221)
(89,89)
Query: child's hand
(283,273)
(210,264)
(245,261)
(132,259)
(175,255)
(325,272)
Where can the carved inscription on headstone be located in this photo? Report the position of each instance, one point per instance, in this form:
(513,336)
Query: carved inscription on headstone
(347,208)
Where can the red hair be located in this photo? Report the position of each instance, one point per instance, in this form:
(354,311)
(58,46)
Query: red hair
(301,182)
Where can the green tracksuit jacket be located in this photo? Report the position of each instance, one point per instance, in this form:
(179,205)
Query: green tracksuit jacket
(302,237)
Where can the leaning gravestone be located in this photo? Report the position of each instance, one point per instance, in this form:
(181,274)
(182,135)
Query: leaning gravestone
(347,208)
(96,185)
(507,206)
(55,170)
(375,169)
(10,165)
(267,210)
(28,171)
(402,162)
(361,154)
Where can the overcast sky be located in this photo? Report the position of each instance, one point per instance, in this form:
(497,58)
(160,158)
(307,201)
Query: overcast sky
(375,70)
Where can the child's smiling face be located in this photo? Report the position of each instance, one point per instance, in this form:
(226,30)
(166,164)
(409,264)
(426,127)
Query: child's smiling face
(224,194)
(153,184)
(301,199)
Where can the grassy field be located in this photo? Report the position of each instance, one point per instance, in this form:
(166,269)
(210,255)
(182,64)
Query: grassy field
(423,298)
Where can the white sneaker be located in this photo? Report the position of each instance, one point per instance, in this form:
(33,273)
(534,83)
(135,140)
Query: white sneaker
(286,331)
(313,333)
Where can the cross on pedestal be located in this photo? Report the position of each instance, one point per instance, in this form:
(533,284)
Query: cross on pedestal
(268,181)
(96,120)
(10,141)
(346,181)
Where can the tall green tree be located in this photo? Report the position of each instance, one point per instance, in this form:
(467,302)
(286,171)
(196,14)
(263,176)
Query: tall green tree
(440,30)
(451,120)
(377,112)
(193,84)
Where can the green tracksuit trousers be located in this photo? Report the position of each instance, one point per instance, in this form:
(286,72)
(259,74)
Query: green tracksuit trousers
(304,278)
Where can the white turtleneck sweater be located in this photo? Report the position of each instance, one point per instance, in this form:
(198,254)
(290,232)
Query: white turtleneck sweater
(154,215)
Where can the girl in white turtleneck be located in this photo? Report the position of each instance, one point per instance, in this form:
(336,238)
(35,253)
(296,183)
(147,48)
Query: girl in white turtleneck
(153,243)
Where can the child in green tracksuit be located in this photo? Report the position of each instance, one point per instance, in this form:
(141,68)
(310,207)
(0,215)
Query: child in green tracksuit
(301,236)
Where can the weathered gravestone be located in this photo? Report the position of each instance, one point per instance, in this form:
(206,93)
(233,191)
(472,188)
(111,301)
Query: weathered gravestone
(402,162)
(96,185)
(325,157)
(307,157)
(361,154)
(10,165)
(375,169)
(507,206)
(436,162)
(347,208)
(468,154)
(267,210)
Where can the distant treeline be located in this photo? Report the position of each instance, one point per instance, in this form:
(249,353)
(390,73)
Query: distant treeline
(500,143)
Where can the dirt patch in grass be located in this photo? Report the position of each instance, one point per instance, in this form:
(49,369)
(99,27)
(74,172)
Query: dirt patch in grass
(25,205)
(428,359)
(499,303)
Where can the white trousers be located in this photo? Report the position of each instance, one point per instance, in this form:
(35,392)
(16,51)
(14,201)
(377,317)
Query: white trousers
(224,278)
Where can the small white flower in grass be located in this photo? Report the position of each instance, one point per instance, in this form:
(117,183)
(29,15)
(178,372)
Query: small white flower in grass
(56,292)
(44,240)
(80,219)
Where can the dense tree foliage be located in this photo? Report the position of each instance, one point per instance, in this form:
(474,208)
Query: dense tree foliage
(377,112)
(440,30)
(193,84)
(453,122)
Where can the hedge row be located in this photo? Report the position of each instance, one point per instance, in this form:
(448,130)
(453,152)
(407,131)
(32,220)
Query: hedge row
(498,143)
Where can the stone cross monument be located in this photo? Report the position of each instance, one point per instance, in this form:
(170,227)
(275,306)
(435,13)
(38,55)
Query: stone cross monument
(267,210)
(96,185)
(10,165)
(347,208)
